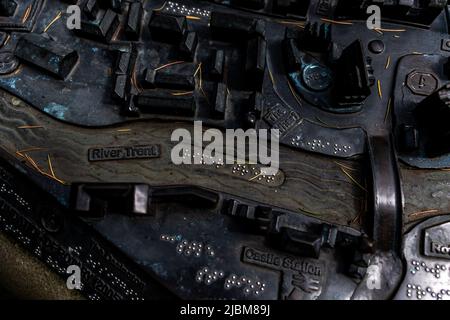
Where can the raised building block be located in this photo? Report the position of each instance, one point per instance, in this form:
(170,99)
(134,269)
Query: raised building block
(46,54)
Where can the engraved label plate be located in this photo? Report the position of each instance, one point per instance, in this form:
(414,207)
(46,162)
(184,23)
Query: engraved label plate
(124,153)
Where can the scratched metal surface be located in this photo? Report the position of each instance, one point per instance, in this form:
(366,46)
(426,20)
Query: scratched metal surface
(308,179)
(426,194)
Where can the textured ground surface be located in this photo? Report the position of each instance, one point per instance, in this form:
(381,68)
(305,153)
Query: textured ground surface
(22,275)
